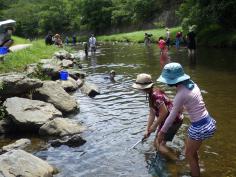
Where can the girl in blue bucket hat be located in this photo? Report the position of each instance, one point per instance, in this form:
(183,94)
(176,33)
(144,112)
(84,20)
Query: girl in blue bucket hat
(188,95)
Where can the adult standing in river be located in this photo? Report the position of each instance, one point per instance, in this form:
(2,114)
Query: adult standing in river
(191,42)
(159,108)
(188,95)
(92,43)
(168,37)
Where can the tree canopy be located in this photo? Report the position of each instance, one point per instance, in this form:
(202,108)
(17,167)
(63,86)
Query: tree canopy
(71,16)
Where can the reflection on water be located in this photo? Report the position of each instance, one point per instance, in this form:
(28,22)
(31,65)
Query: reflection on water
(156,165)
(116,119)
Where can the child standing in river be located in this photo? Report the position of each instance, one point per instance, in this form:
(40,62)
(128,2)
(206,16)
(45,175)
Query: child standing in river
(159,108)
(188,95)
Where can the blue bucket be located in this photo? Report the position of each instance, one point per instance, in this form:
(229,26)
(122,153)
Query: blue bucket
(64,75)
(3,50)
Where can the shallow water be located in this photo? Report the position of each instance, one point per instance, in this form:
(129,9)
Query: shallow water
(116,119)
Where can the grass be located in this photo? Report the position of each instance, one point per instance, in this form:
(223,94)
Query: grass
(138,36)
(19,40)
(17,61)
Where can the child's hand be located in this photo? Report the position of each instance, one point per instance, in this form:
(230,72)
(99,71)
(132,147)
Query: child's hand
(153,128)
(160,137)
(146,134)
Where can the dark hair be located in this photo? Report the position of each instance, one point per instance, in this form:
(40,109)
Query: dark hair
(179,83)
(160,38)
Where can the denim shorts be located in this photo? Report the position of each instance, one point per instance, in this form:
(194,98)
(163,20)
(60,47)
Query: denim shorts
(202,129)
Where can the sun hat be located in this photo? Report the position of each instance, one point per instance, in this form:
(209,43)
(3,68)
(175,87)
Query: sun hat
(112,72)
(173,73)
(143,81)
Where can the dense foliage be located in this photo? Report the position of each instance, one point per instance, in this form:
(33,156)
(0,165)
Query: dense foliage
(68,16)
(214,19)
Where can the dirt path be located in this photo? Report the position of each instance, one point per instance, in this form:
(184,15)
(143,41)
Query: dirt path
(19,47)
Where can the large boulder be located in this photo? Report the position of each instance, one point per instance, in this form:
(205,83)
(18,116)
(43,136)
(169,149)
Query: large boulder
(28,114)
(53,93)
(14,84)
(60,127)
(19,144)
(18,163)
(68,85)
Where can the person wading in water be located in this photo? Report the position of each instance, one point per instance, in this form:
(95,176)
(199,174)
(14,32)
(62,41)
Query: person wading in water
(188,94)
(159,107)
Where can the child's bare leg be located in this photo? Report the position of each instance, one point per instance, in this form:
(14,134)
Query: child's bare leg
(192,147)
(163,149)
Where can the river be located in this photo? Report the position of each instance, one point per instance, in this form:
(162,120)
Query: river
(116,119)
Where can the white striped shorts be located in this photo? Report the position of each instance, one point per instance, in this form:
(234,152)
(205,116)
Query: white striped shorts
(202,129)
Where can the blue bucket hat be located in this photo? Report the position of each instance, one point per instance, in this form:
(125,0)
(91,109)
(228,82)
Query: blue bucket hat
(173,73)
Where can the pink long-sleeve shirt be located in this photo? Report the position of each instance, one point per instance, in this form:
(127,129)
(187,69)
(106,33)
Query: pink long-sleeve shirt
(192,101)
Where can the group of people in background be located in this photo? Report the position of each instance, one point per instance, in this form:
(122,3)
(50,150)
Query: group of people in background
(56,39)
(164,43)
(189,40)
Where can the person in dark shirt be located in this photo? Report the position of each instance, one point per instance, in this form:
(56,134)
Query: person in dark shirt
(5,38)
(191,42)
(48,38)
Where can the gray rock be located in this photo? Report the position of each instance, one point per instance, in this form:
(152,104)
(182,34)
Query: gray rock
(68,85)
(44,61)
(75,74)
(31,68)
(67,63)
(61,127)
(52,92)
(89,89)
(19,144)
(73,141)
(18,163)
(32,114)
(63,55)
(51,70)
(14,84)
(55,62)
(80,82)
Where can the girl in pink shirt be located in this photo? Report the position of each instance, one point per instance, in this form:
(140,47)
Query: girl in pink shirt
(162,45)
(188,95)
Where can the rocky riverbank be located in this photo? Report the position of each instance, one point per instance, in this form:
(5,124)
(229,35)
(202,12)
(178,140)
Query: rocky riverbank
(41,107)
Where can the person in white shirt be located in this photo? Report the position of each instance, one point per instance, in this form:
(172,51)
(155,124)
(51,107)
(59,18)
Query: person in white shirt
(168,37)
(92,43)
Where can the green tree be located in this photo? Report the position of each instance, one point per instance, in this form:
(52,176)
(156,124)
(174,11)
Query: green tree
(96,14)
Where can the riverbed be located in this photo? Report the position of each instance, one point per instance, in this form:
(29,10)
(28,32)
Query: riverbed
(116,118)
